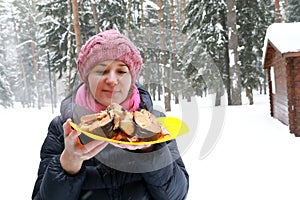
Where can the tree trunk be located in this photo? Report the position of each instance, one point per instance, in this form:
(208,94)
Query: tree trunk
(173,28)
(159,88)
(54,89)
(182,12)
(35,67)
(176,96)
(277,12)
(227,80)
(76,25)
(128,17)
(286,10)
(166,79)
(95,16)
(152,89)
(143,30)
(249,94)
(69,47)
(235,73)
(218,97)
(25,100)
(188,98)
(182,15)
(174,53)
(146,68)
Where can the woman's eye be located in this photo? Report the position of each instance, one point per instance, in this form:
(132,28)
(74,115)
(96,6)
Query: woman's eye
(122,72)
(100,71)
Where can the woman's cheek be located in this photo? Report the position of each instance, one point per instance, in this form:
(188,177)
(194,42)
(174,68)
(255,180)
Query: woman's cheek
(94,84)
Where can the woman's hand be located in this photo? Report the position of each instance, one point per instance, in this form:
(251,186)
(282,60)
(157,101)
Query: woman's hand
(75,153)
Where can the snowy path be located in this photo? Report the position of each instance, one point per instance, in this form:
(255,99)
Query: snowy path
(255,158)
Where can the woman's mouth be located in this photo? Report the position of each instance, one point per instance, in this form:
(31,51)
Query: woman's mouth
(110,92)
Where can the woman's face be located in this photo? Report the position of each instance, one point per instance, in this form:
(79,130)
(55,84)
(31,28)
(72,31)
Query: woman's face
(109,82)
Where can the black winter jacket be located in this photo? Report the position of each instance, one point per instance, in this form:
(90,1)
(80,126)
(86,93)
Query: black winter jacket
(114,173)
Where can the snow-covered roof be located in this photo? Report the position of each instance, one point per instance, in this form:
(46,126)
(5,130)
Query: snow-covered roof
(284,36)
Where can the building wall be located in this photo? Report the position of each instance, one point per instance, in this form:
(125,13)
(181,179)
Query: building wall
(293,83)
(279,93)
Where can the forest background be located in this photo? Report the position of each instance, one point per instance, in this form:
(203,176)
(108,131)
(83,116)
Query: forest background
(189,47)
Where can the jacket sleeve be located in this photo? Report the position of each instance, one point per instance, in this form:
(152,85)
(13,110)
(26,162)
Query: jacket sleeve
(172,181)
(53,182)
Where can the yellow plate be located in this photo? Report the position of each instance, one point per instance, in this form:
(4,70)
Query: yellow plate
(175,126)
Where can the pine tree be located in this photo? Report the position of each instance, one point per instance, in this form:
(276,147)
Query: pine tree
(7,61)
(208,66)
(6,97)
(294,11)
(27,38)
(112,15)
(56,31)
(253,20)
(149,43)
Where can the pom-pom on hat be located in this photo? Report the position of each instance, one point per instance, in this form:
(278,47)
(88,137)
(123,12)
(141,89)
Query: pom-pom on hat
(109,45)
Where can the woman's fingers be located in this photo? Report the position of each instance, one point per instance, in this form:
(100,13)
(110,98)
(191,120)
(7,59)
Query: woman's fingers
(131,147)
(67,128)
(74,146)
(93,144)
(69,132)
(93,148)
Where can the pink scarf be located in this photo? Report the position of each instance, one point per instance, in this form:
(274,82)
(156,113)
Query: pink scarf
(86,100)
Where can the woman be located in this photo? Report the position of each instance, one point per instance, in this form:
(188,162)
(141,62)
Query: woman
(73,166)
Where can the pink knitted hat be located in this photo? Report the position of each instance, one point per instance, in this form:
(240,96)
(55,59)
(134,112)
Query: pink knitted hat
(109,45)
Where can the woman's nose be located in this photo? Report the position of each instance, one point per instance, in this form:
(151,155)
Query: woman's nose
(112,78)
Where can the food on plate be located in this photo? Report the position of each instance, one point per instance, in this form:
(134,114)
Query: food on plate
(119,124)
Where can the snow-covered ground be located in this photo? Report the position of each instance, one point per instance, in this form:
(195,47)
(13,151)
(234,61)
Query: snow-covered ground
(255,158)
